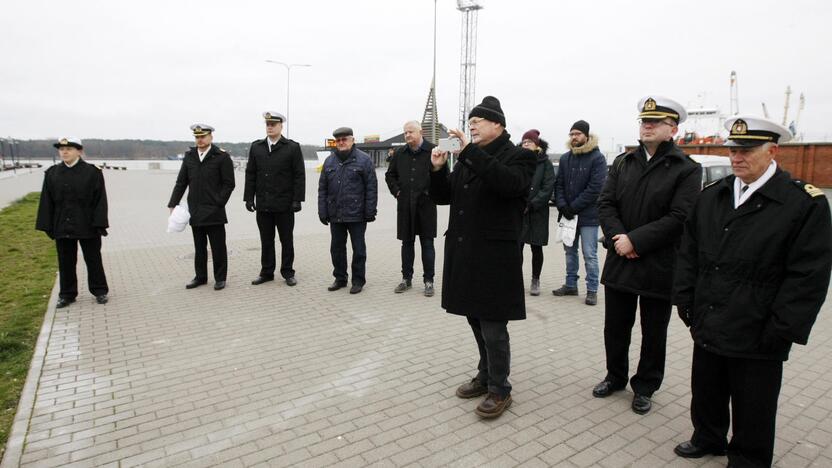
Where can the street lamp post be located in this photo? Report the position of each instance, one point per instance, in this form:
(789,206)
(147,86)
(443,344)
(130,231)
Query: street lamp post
(288,77)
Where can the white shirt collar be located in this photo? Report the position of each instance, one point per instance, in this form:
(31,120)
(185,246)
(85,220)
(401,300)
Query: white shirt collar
(740,197)
(272,142)
(73,164)
(203,153)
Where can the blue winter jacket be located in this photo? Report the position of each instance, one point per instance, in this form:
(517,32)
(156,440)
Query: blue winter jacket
(348,191)
(581,175)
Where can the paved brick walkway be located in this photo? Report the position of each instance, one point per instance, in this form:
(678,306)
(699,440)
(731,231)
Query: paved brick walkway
(273,375)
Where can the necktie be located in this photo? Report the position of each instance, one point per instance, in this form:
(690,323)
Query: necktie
(743,189)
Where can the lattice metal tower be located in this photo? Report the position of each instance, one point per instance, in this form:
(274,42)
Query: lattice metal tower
(468,70)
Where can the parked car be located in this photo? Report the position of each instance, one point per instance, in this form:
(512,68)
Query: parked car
(713,167)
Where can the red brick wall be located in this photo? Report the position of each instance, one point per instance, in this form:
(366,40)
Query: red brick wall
(811,162)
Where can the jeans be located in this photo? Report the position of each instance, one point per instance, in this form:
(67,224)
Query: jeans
(495,354)
(588,238)
(338,251)
(409,255)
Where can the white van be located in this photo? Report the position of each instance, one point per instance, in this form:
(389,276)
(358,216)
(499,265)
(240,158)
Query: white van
(713,167)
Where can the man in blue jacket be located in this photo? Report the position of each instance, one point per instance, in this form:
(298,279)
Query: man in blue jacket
(581,174)
(347,200)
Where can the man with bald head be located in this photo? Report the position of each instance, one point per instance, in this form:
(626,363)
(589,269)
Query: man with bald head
(408,177)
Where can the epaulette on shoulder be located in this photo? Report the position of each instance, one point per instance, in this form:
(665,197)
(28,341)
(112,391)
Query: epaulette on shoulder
(810,189)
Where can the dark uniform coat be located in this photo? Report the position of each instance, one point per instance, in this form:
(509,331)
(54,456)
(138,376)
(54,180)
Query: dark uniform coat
(487,191)
(209,185)
(757,275)
(408,178)
(275,178)
(649,202)
(73,202)
(536,218)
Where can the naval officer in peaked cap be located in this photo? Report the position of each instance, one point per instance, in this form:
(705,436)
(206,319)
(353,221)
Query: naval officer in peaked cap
(73,210)
(752,273)
(208,174)
(275,187)
(642,208)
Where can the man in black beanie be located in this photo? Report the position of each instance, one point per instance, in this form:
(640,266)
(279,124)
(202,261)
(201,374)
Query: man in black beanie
(483,278)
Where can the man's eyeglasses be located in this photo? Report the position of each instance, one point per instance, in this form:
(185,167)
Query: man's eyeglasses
(339,139)
(655,123)
(574,134)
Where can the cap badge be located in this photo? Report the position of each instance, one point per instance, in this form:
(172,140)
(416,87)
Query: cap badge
(739,127)
(650,104)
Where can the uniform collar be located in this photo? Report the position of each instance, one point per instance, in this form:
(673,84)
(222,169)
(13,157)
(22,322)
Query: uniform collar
(773,188)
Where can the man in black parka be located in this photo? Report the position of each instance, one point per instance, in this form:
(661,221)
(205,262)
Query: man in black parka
(208,174)
(275,187)
(648,193)
(752,273)
(408,178)
(483,277)
(73,210)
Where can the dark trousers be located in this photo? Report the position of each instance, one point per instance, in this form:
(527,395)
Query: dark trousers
(537,260)
(752,387)
(495,354)
(409,255)
(338,251)
(68,259)
(619,317)
(285,224)
(219,255)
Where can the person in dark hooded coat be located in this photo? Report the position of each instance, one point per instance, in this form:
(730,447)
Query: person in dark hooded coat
(536,215)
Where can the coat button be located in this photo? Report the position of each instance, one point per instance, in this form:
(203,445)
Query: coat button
(459,239)
(465,186)
(461,212)
(726,229)
(716,268)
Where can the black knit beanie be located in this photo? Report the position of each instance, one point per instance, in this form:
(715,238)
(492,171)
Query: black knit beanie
(489,109)
(581,126)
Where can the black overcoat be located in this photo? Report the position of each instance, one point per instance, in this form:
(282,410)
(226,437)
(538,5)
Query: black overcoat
(755,276)
(73,202)
(276,178)
(209,185)
(487,190)
(408,178)
(536,219)
(647,201)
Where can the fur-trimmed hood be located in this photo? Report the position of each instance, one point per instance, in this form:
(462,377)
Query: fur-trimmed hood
(589,146)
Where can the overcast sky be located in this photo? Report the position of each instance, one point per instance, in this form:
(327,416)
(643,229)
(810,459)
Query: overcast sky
(148,70)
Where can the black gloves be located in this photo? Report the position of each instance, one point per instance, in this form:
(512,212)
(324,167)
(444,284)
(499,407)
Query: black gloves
(101,231)
(250,206)
(324,220)
(567,212)
(685,312)
(370,219)
(295,206)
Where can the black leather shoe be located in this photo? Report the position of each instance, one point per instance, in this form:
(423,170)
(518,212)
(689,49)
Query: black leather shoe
(261,280)
(689,450)
(102,299)
(219,285)
(291,281)
(605,389)
(195,283)
(471,389)
(63,302)
(356,288)
(337,285)
(641,404)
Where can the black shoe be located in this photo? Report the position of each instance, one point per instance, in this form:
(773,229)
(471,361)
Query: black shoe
(63,302)
(641,404)
(605,389)
(195,283)
(337,285)
(356,288)
(219,285)
(565,291)
(261,279)
(689,450)
(291,281)
(591,298)
(102,299)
